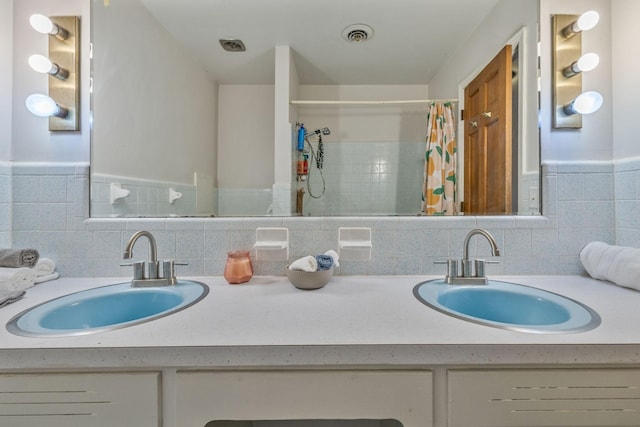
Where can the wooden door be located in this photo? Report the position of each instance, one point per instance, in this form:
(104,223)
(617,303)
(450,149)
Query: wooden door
(487,139)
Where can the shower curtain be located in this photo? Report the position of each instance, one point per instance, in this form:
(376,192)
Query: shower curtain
(439,185)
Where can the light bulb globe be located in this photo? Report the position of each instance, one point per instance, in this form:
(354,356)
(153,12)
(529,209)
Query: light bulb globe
(587,102)
(587,20)
(42,24)
(588,62)
(40,63)
(41,105)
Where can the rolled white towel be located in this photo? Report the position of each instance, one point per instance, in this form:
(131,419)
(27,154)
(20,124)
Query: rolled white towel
(616,264)
(44,267)
(16,279)
(307,263)
(333,254)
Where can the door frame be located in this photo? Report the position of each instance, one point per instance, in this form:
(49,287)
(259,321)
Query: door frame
(518,39)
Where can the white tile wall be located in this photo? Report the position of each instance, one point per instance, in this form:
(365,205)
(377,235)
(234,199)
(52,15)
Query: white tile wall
(5,205)
(366,178)
(51,213)
(627,206)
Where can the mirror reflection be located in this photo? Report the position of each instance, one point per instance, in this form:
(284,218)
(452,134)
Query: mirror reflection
(183,127)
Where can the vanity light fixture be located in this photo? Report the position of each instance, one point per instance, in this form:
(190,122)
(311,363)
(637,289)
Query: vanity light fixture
(62,102)
(569,63)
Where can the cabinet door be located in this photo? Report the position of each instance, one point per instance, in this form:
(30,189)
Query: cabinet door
(91,400)
(544,397)
(405,396)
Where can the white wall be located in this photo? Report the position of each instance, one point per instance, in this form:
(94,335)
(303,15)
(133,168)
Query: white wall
(31,140)
(626,87)
(245,136)
(182,138)
(6,43)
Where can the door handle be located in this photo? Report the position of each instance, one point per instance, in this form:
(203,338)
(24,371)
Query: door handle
(486,114)
(474,124)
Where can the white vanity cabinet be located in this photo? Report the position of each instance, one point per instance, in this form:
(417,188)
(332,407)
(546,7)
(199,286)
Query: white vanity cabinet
(544,397)
(80,399)
(205,396)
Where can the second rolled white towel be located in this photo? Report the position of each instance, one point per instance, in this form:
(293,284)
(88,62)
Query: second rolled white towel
(617,264)
(307,263)
(45,267)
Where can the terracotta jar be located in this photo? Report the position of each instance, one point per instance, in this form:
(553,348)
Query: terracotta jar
(238,268)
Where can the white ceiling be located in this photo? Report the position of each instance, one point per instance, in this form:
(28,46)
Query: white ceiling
(411,37)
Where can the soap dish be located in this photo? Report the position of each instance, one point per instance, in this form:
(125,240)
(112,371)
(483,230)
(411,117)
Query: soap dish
(309,279)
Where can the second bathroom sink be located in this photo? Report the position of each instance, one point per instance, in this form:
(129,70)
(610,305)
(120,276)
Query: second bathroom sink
(509,306)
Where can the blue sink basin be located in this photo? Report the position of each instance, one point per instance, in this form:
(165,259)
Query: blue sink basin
(508,306)
(105,308)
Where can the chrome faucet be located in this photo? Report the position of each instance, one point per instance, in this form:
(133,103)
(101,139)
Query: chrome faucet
(153,248)
(467,269)
(473,270)
(148,273)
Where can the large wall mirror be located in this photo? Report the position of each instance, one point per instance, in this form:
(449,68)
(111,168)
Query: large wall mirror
(188,117)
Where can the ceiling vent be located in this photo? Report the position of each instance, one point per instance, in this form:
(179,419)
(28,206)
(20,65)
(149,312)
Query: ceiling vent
(232,45)
(357,33)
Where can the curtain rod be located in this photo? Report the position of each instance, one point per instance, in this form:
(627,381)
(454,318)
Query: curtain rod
(406,101)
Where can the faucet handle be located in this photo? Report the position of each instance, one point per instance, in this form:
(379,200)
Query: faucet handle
(138,269)
(169,270)
(480,265)
(453,266)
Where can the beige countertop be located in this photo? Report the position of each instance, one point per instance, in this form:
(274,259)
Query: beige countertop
(352,321)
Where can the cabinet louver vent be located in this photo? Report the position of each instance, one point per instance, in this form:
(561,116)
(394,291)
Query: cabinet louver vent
(512,398)
(91,400)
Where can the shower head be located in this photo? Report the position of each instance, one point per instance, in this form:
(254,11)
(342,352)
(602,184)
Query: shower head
(324,131)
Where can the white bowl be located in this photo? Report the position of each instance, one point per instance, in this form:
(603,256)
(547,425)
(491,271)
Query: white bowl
(309,279)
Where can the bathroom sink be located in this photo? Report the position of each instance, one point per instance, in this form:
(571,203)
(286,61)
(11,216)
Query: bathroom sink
(105,308)
(509,306)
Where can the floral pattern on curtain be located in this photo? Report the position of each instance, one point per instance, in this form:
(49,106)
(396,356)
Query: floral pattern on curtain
(439,185)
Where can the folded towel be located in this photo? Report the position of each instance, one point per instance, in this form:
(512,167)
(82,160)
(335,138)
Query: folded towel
(46,277)
(16,279)
(617,264)
(307,263)
(333,254)
(7,297)
(18,257)
(44,267)
(325,262)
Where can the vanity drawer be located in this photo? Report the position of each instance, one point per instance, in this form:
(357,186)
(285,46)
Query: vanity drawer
(79,399)
(544,397)
(405,396)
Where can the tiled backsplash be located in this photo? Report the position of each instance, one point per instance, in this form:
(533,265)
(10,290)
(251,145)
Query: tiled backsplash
(50,209)
(627,206)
